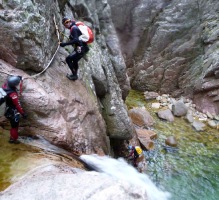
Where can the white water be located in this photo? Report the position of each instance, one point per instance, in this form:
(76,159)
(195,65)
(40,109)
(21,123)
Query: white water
(120,169)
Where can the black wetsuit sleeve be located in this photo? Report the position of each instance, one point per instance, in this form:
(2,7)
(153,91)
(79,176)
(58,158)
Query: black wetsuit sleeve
(74,37)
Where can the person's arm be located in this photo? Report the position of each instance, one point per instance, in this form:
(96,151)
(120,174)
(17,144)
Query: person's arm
(131,153)
(16,102)
(75,38)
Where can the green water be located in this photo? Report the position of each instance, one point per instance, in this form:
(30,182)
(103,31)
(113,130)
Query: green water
(17,159)
(190,171)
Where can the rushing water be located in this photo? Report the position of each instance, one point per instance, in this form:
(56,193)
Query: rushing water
(190,171)
(121,170)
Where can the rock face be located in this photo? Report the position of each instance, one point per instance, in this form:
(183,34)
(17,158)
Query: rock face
(80,115)
(171,47)
(168,46)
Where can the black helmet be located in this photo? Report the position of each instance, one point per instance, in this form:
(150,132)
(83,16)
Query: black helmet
(65,19)
(14,81)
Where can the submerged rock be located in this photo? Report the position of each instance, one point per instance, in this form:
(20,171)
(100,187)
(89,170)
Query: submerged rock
(171,141)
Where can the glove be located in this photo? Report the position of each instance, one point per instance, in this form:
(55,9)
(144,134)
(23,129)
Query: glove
(24,116)
(62,44)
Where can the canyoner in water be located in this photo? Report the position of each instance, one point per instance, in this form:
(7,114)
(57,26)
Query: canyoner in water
(80,36)
(135,152)
(13,108)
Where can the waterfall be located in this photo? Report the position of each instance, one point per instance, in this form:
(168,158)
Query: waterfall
(121,170)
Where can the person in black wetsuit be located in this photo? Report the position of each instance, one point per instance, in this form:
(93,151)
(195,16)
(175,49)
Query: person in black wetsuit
(80,47)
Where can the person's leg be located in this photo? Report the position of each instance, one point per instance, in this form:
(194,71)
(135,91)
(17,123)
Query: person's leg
(69,60)
(135,159)
(72,61)
(14,131)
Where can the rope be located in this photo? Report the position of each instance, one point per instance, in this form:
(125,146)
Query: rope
(57,33)
(34,76)
(46,67)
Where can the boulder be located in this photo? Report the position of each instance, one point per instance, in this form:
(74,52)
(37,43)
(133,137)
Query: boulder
(141,117)
(212,123)
(145,137)
(166,115)
(198,126)
(179,109)
(171,141)
(189,117)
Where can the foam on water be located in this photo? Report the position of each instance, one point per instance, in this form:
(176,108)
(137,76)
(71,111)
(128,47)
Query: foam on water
(120,169)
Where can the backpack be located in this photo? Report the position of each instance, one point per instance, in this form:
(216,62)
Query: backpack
(3,94)
(138,149)
(87,34)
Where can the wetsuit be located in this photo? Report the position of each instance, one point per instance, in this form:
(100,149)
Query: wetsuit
(13,110)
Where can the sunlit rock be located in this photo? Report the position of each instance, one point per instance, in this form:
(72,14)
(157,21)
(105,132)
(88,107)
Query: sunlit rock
(145,137)
(155,105)
(141,117)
